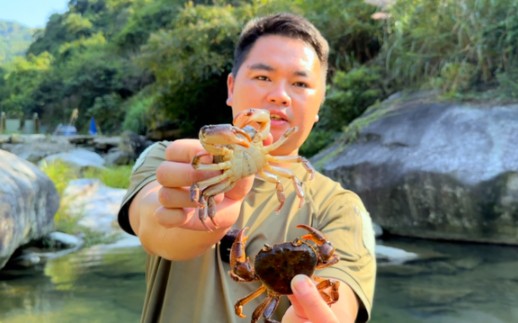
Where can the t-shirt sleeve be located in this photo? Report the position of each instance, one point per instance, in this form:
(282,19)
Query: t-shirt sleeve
(143,173)
(345,222)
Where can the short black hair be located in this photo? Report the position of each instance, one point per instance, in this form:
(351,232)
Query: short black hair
(282,24)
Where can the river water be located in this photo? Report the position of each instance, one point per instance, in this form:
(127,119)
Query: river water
(449,283)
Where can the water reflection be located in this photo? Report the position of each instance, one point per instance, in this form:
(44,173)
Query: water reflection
(89,286)
(450,283)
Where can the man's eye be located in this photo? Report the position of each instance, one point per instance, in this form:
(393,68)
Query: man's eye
(262,78)
(301,84)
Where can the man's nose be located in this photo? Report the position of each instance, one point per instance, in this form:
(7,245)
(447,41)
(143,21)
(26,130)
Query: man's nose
(279,95)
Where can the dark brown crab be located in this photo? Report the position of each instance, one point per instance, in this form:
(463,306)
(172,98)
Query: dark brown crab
(276,265)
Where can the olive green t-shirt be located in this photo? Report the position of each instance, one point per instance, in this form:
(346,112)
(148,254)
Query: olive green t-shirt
(201,290)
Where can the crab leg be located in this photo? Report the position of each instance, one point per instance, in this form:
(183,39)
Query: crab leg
(203,211)
(218,166)
(295,159)
(266,309)
(278,186)
(288,174)
(326,249)
(333,295)
(238,307)
(281,140)
(196,188)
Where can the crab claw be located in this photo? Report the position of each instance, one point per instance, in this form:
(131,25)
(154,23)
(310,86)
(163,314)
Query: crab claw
(259,119)
(240,267)
(326,249)
(224,134)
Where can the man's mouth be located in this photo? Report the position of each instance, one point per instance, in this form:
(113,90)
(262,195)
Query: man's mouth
(277,118)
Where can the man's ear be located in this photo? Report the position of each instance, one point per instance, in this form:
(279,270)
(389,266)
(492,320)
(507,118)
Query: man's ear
(230,89)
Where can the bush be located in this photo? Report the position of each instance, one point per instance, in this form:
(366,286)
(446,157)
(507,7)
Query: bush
(116,177)
(449,44)
(349,95)
(137,115)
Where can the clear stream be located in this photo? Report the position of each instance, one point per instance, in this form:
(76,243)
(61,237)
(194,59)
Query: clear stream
(451,283)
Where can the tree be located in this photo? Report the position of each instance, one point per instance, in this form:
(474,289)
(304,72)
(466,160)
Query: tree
(190,63)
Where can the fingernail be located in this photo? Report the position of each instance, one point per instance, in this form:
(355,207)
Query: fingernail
(301,284)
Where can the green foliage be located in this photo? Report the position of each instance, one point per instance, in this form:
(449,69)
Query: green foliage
(347,98)
(350,94)
(190,62)
(354,38)
(20,80)
(509,83)
(116,177)
(449,44)
(138,113)
(151,17)
(60,173)
(14,40)
(317,140)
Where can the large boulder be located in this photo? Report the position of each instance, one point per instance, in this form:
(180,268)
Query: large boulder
(28,202)
(433,169)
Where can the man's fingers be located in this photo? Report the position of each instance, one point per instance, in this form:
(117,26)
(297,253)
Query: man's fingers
(177,170)
(183,151)
(241,189)
(171,217)
(309,303)
(179,197)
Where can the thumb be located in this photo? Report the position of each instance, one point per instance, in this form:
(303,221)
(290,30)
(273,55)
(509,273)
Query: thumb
(309,303)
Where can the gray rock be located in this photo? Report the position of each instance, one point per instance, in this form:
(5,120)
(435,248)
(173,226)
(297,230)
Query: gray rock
(36,147)
(437,170)
(28,202)
(392,255)
(79,157)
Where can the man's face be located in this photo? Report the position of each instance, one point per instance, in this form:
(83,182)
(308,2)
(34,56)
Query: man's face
(284,76)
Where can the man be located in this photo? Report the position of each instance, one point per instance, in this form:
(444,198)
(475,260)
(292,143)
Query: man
(280,64)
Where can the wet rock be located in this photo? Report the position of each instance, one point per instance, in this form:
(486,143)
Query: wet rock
(393,255)
(96,206)
(28,202)
(439,170)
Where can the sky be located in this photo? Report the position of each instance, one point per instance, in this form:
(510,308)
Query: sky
(31,13)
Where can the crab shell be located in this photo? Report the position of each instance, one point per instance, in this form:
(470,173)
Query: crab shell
(277,265)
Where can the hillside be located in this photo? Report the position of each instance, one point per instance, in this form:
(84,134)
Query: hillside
(14,40)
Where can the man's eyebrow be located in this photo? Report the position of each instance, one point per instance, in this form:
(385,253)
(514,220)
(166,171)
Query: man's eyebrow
(265,67)
(261,66)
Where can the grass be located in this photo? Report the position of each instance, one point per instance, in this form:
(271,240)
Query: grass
(116,177)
